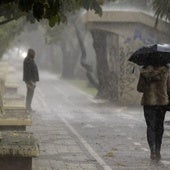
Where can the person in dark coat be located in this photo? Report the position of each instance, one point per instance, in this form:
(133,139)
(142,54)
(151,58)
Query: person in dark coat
(30,76)
(154,83)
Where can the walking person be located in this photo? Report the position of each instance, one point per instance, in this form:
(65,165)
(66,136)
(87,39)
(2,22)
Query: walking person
(154,83)
(30,77)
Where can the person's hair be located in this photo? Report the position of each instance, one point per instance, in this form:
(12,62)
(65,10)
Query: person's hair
(31,53)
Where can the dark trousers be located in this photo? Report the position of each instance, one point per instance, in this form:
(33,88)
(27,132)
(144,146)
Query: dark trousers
(154,116)
(29,96)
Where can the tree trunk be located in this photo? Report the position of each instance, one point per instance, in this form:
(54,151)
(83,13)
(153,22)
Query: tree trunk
(108,86)
(84,64)
(68,61)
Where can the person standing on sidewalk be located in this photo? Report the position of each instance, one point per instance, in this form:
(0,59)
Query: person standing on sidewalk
(30,77)
(154,83)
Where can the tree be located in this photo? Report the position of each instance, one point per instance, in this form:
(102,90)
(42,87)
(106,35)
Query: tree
(162,9)
(8,32)
(9,12)
(75,33)
(84,64)
(55,11)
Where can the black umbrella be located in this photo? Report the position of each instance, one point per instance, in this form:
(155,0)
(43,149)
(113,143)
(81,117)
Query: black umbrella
(152,55)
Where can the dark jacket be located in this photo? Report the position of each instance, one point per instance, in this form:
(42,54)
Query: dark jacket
(154,83)
(30,70)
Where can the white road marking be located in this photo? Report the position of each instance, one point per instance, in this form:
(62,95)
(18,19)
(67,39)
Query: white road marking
(86,145)
(165,162)
(145,149)
(82,140)
(136,143)
(129,138)
(41,98)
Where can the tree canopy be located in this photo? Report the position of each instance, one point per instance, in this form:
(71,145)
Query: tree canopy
(162,9)
(55,11)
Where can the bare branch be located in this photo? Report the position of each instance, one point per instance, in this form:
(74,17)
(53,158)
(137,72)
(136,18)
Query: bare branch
(6,21)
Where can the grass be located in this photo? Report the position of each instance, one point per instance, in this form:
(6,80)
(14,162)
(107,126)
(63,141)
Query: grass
(84,86)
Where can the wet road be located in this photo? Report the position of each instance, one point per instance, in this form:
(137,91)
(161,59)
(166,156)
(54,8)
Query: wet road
(113,136)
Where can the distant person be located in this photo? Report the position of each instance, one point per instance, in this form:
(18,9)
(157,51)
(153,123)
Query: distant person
(154,83)
(30,77)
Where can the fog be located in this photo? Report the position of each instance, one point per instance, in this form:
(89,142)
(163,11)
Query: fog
(71,49)
(60,51)
(49,44)
(87,111)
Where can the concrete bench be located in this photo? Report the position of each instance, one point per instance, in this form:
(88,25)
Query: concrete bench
(15,120)
(17,149)
(11,81)
(13,103)
(14,96)
(13,115)
(11,88)
(2,84)
(14,106)
(4,67)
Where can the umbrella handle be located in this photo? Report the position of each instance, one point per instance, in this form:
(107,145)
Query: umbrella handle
(133,70)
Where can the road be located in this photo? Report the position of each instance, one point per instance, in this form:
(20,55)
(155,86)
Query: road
(78,132)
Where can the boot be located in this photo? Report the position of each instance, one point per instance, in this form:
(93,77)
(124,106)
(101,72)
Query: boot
(158,154)
(153,153)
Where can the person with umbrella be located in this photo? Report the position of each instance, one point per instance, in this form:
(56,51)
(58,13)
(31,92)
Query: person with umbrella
(154,83)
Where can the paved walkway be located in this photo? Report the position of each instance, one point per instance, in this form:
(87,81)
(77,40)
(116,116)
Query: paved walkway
(60,149)
(61,146)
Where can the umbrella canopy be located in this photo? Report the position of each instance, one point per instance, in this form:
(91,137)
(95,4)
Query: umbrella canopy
(158,54)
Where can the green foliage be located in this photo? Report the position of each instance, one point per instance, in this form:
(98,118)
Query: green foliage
(3,35)
(55,11)
(89,4)
(162,8)
(8,33)
(25,5)
(9,11)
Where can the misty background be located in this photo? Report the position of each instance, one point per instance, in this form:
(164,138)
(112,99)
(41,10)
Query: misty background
(72,50)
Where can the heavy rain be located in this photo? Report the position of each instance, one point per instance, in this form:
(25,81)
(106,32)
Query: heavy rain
(84,85)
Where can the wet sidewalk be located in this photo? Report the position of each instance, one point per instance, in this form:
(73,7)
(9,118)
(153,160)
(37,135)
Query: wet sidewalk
(59,148)
(62,146)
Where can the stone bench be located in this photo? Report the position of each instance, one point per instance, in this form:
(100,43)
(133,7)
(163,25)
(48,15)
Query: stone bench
(4,67)
(13,115)
(13,119)
(14,102)
(2,84)
(11,81)
(13,97)
(17,149)
(11,87)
